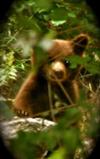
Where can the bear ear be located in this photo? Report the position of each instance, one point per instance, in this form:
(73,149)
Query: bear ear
(79,44)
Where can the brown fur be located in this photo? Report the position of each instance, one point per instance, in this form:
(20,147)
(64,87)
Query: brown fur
(32,98)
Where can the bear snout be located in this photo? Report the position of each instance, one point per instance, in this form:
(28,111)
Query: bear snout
(59,74)
(57,71)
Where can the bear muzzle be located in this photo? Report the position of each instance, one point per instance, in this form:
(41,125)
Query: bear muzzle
(57,71)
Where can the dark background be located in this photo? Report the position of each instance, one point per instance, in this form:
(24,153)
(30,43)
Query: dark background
(4,10)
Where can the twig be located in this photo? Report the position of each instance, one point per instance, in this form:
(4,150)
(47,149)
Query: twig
(63,89)
(50,102)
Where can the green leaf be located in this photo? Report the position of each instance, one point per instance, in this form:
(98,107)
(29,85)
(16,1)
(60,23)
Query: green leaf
(43,4)
(58,14)
(77,60)
(58,154)
(72,15)
(58,22)
(93,67)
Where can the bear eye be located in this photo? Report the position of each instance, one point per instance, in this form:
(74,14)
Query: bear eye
(67,63)
(50,60)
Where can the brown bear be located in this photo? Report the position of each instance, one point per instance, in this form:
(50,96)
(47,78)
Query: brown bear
(54,76)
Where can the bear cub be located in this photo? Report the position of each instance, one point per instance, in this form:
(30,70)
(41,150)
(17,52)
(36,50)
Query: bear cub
(53,77)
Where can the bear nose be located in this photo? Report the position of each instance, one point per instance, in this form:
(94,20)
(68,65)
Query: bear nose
(59,74)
